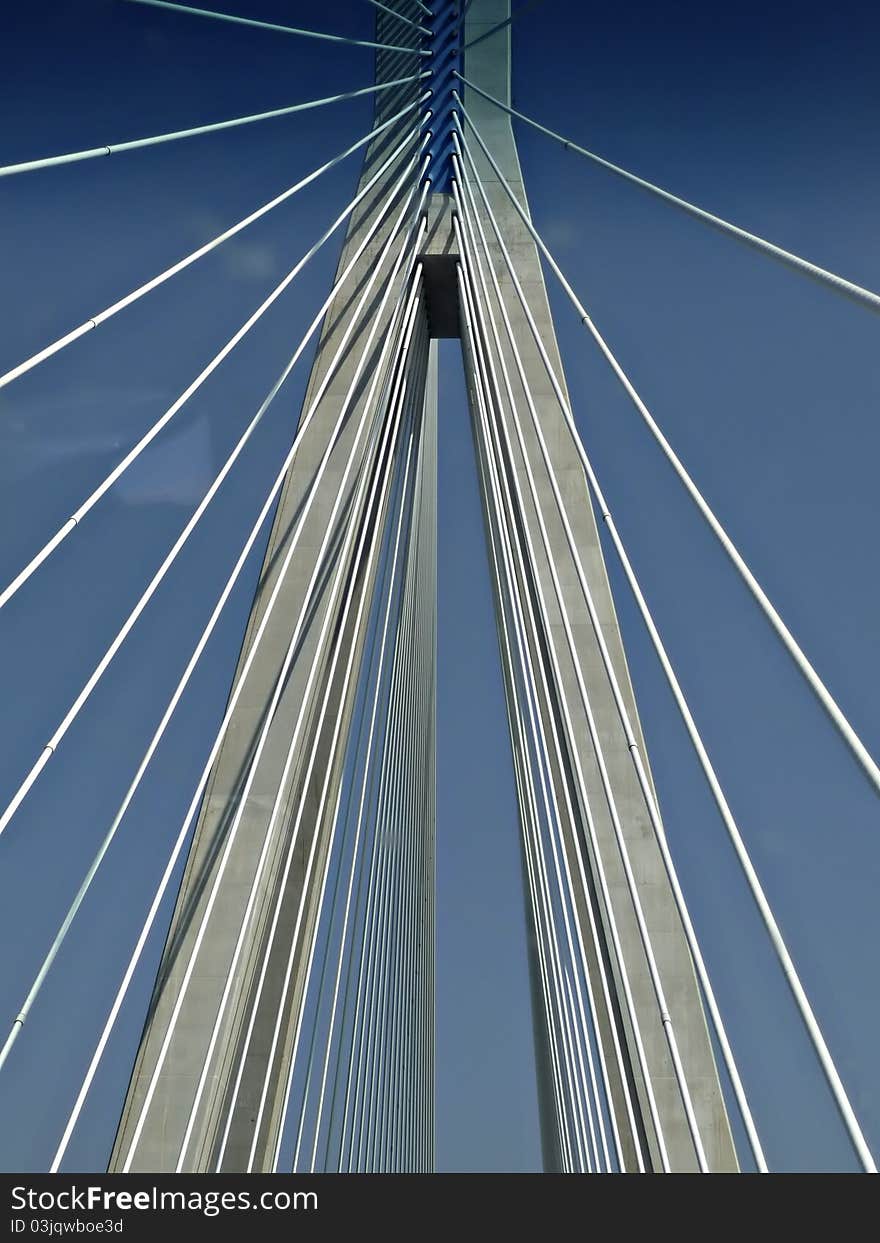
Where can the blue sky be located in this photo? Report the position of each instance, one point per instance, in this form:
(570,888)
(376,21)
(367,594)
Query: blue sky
(767,384)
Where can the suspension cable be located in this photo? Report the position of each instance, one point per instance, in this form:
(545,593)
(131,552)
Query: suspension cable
(209,628)
(116,148)
(123,632)
(236,693)
(780,948)
(286,30)
(855,744)
(109,311)
(865,296)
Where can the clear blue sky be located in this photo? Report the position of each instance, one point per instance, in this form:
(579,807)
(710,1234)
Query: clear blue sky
(767,384)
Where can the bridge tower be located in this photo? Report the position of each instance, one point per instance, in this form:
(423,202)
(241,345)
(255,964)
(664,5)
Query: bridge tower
(616,1002)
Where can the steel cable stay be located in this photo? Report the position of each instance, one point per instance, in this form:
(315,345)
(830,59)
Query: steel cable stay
(371,987)
(644,933)
(368,798)
(545,918)
(391,797)
(113,476)
(399,408)
(521,760)
(839,283)
(375,679)
(538,873)
(850,737)
(727,1054)
(115,307)
(361,529)
(811,1024)
(557,1006)
(587,818)
(525,664)
(389,783)
(472,254)
(376,906)
(135,144)
(410,313)
(397,415)
(235,1092)
(704,978)
(550,815)
(276,695)
(391,780)
(411,389)
(123,632)
(410,792)
(286,30)
(209,628)
(395,814)
(215,748)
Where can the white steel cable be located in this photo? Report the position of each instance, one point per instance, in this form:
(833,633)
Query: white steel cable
(820,690)
(371,735)
(610,798)
(693,944)
(420,1108)
(378,921)
(564,889)
(576,1083)
(178,845)
(286,30)
(374,905)
(254,761)
(394,425)
(865,296)
(553,817)
(203,640)
(115,307)
(367,798)
(410,824)
(599,871)
(498,547)
(123,632)
(542,900)
(356,528)
(134,453)
(392,763)
(835,1083)
(117,148)
(397,418)
(238,1082)
(376,375)
(423,836)
(353,761)
(243,1053)
(472,256)
(692,941)
(401,790)
(269,840)
(374,987)
(416,348)
(594,931)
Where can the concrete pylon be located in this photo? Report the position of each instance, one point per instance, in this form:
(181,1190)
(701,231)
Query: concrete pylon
(195,1041)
